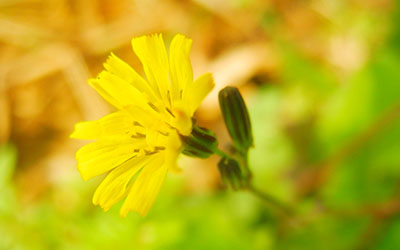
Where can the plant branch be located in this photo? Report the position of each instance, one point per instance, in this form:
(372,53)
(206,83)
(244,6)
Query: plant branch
(221,153)
(271,201)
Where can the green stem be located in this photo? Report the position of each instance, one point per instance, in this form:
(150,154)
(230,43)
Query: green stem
(271,201)
(221,153)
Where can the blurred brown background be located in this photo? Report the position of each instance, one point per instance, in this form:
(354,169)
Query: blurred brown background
(50,48)
(293,60)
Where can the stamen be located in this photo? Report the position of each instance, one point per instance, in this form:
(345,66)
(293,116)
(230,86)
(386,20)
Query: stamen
(138,135)
(170,112)
(135,123)
(150,152)
(153,106)
(163,133)
(169,98)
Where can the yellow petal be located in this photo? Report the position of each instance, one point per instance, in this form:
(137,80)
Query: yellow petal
(103,93)
(180,66)
(182,120)
(171,161)
(118,91)
(119,124)
(101,156)
(121,69)
(197,91)
(152,53)
(152,122)
(145,188)
(114,186)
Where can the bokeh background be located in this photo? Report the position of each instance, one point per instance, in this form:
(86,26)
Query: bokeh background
(322,82)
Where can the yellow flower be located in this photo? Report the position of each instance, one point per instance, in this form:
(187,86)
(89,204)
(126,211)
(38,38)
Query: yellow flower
(140,142)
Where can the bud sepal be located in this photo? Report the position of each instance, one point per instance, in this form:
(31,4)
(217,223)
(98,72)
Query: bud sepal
(231,173)
(236,118)
(201,143)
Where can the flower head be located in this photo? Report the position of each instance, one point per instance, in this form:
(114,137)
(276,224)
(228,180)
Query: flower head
(140,142)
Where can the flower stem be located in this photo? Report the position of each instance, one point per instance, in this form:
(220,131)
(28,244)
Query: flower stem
(221,153)
(271,201)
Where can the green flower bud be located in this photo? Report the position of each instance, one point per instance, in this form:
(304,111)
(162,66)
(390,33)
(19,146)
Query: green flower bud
(231,174)
(236,117)
(201,143)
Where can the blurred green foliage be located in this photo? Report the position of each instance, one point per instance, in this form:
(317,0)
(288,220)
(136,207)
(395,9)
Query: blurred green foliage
(299,120)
